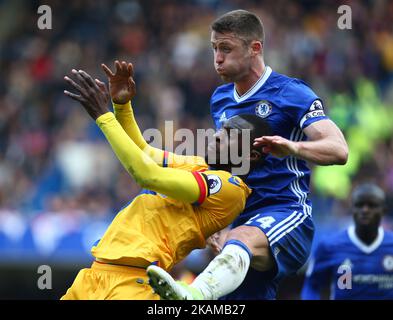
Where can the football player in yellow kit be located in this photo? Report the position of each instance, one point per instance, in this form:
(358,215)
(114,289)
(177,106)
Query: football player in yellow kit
(184,200)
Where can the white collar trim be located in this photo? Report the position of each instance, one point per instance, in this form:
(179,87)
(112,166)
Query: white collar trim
(361,245)
(257,85)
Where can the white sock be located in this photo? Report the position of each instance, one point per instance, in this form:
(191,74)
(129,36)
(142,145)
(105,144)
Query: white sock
(224,273)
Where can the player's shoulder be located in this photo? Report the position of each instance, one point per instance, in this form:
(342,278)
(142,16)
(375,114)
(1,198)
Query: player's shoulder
(292,89)
(388,236)
(218,179)
(223,90)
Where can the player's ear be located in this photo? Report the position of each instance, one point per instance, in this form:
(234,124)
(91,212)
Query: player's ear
(255,155)
(256,47)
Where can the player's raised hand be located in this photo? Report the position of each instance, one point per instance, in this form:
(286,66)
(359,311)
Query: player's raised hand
(277,146)
(121,83)
(93,97)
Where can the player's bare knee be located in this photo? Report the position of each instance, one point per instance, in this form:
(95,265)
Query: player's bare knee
(252,237)
(257,242)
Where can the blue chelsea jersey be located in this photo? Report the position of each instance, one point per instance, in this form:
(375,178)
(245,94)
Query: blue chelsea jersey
(289,106)
(353,269)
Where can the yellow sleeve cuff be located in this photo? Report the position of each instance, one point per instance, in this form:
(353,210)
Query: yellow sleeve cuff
(104,118)
(122,107)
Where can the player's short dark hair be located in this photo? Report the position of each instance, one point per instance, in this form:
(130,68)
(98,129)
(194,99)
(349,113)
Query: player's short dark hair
(242,23)
(369,189)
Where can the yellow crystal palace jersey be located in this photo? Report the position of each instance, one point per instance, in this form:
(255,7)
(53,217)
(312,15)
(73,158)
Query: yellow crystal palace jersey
(153,228)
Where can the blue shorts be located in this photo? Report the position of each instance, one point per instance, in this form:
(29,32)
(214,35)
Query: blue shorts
(290,234)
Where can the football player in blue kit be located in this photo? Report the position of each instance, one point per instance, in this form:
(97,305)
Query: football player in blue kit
(273,235)
(356,263)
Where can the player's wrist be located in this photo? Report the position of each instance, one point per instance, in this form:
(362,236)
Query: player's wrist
(297,148)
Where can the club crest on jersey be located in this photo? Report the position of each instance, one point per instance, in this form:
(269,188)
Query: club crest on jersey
(387,263)
(214,183)
(263,109)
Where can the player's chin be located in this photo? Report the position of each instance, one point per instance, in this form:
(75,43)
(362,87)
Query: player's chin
(225,77)
(364,221)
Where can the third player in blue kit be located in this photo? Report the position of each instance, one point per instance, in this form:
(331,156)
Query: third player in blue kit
(356,263)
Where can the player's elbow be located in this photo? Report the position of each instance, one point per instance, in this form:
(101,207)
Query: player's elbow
(146,182)
(143,178)
(149,183)
(342,155)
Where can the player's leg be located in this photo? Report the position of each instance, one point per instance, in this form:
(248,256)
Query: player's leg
(224,273)
(290,236)
(245,246)
(280,243)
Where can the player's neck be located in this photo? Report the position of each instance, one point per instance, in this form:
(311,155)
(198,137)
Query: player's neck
(366,234)
(243,85)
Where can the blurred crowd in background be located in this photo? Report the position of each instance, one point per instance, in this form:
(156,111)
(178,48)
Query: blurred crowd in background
(57,172)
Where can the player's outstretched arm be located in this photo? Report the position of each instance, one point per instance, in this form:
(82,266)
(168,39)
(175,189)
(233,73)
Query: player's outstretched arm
(175,183)
(326,145)
(122,89)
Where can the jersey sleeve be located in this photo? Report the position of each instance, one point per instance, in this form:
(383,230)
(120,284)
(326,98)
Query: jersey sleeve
(224,200)
(318,274)
(189,163)
(301,104)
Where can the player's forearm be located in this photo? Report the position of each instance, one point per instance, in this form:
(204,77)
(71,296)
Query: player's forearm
(125,116)
(327,151)
(177,184)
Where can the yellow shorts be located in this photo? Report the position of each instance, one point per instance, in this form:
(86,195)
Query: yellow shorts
(112,282)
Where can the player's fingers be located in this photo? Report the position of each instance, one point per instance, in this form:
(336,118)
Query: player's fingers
(74,96)
(117,66)
(80,79)
(266,138)
(124,67)
(101,85)
(258,142)
(89,80)
(131,84)
(107,71)
(130,69)
(73,83)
